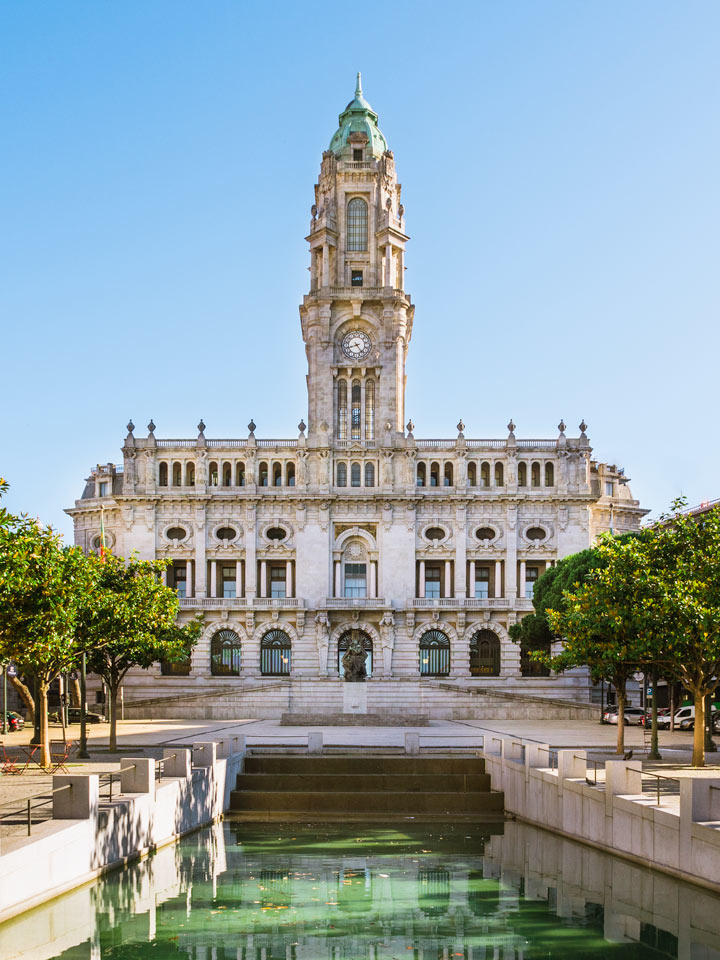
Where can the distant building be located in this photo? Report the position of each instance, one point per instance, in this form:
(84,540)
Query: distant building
(426,550)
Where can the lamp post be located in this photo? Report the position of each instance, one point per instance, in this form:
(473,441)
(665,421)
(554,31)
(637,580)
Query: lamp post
(83,751)
(4,716)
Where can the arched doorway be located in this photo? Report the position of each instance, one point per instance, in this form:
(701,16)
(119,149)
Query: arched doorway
(225,654)
(364,640)
(485,654)
(434,654)
(275,650)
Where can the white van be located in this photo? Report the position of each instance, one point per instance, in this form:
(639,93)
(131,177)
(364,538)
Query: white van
(684,713)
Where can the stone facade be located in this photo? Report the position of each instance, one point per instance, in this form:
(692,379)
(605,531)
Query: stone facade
(424,549)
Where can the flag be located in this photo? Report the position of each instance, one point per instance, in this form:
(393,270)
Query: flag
(102,533)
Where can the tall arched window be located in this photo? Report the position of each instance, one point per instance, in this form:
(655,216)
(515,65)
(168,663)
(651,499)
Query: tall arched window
(227,475)
(369,409)
(355,410)
(472,475)
(263,474)
(225,654)
(522,474)
(177,475)
(277,474)
(357,224)
(485,654)
(162,475)
(369,474)
(364,640)
(190,474)
(485,474)
(239,474)
(342,409)
(275,649)
(434,654)
(421,478)
(342,474)
(434,474)
(499,478)
(535,474)
(290,474)
(549,475)
(213,474)
(355,474)
(448,475)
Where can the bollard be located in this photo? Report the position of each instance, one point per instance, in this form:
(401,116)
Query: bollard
(412,744)
(81,801)
(204,754)
(700,799)
(572,764)
(137,775)
(176,762)
(537,755)
(623,777)
(511,749)
(238,744)
(315,742)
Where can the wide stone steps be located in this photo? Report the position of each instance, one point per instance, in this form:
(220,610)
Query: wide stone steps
(361,786)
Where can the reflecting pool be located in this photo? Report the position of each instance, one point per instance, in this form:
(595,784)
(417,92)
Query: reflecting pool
(384,892)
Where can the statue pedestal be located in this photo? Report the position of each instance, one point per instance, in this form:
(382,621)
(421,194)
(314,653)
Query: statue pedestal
(354,697)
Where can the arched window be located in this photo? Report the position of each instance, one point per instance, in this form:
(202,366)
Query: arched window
(499,478)
(354,474)
(342,474)
(275,649)
(434,891)
(434,654)
(549,475)
(369,409)
(177,474)
(522,474)
(190,474)
(366,643)
(290,474)
(485,474)
(421,475)
(239,474)
(214,474)
(357,224)
(277,474)
(448,475)
(535,474)
(225,654)
(355,410)
(263,474)
(162,475)
(369,474)
(472,474)
(434,474)
(227,475)
(485,654)
(342,409)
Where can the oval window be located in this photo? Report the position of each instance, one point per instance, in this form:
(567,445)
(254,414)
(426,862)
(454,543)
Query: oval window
(226,533)
(535,533)
(176,533)
(485,533)
(435,533)
(276,533)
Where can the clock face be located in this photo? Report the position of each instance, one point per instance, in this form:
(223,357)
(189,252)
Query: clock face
(356,345)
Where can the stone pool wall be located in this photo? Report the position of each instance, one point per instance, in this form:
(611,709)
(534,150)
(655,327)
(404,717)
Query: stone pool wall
(87,837)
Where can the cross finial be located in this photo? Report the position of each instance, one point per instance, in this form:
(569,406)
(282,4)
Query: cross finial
(358,85)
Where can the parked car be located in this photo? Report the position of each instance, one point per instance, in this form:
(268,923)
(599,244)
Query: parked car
(688,723)
(662,712)
(90,717)
(633,716)
(14,721)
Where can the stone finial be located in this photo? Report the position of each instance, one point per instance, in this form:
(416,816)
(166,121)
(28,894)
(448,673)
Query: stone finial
(388,426)
(313,211)
(151,429)
(201,428)
(130,428)
(583,428)
(410,428)
(460,429)
(251,427)
(561,427)
(388,203)
(358,85)
(302,427)
(511,428)
(401,211)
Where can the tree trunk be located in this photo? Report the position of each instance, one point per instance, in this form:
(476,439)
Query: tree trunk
(698,755)
(26,697)
(113,691)
(75,699)
(44,727)
(620,688)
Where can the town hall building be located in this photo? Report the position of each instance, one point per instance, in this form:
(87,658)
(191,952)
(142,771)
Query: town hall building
(425,551)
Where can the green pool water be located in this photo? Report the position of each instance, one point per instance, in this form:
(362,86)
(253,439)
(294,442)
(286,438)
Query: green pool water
(309,892)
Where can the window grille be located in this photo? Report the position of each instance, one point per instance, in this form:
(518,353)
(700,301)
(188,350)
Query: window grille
(275,651)
(434,654)
(342,410)
(225,654)
(369,474)
(355,580)
(342,474)
(370,410)
(357,224)
(485,654)
(355,475)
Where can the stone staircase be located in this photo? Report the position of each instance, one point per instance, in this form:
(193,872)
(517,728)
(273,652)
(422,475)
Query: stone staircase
(364,787)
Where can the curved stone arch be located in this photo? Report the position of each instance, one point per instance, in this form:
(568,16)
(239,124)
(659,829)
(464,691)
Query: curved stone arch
(352,534)
(497,628)
(216,625)
(442,625)
(345,627)
(269,625)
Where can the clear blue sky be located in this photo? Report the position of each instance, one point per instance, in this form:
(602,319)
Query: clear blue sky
(560,168)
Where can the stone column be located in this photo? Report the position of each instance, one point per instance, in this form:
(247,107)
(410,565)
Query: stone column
(498,578)
(421,578)
(326,265)
(250,561)
(238,578)
(448,578)
(521,584)
(288,579)
(213,578)
(189,591)
(471,585)
(373,580)
(388,265)
(338,579)
(200,557)
(263,578)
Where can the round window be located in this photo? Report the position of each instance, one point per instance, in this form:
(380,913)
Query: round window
(176,533)
(434,533)
(485,533)
(535,533)
(226,533)
(276,533)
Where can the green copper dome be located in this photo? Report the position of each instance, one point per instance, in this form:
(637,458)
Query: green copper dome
(359,117)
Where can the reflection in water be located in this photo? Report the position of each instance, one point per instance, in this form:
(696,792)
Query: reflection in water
(271,892)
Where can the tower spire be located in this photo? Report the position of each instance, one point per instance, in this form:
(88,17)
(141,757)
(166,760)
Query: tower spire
(358,85)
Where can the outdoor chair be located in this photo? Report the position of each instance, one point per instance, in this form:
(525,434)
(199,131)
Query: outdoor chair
(60,752)
(18,761)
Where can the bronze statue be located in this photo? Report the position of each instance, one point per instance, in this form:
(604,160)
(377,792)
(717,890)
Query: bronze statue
(353,662)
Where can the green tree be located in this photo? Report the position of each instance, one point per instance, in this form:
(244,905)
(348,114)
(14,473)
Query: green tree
(129,621)
(43,585)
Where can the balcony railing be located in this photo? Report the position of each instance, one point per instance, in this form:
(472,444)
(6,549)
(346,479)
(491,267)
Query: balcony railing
(354,603)
(468,603)
(241,603)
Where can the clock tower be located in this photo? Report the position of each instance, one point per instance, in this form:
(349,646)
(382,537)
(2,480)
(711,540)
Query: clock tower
(357,318)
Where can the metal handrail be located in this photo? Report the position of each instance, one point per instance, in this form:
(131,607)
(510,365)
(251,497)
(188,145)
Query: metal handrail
(658,778)
(26,804)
